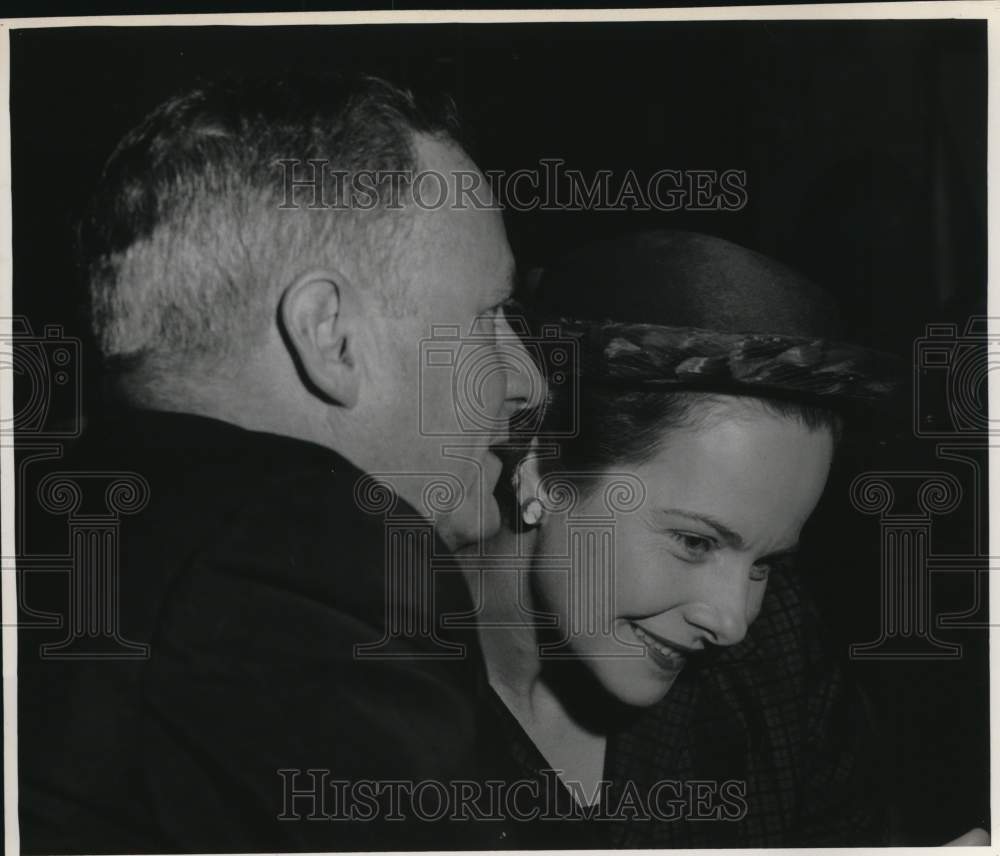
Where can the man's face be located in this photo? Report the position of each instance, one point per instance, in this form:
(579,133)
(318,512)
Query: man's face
(459,370)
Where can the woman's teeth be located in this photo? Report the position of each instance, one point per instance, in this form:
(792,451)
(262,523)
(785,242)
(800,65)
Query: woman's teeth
(675,657)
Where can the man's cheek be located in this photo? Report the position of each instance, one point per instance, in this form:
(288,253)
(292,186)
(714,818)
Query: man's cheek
(438,402)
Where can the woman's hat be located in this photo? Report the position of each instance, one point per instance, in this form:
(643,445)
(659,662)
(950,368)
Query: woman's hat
(681,310)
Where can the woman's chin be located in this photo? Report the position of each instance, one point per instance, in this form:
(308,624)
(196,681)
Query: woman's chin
(637,686)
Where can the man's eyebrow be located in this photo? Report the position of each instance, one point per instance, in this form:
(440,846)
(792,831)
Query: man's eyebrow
(730,537)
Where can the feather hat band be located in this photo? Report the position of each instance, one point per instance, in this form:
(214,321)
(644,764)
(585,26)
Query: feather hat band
(684,311)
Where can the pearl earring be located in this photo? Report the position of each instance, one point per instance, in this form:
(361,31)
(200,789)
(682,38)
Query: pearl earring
(532,511)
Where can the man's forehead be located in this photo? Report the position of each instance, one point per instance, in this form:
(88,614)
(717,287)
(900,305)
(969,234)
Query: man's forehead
(445,170)
(442,154)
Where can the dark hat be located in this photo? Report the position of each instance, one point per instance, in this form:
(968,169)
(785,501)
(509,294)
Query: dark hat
(683,310)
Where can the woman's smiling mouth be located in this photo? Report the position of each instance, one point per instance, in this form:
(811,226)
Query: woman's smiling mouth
(668,655)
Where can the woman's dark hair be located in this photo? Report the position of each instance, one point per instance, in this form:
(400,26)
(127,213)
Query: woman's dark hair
(607,418)
(602,427)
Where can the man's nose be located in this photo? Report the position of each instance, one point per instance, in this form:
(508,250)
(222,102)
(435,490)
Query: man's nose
(525,384)
(722,612)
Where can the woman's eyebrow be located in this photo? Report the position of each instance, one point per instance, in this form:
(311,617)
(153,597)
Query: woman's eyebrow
(730,537)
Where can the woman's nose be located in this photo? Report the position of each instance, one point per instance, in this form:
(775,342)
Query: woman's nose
(722,612)
(727,626)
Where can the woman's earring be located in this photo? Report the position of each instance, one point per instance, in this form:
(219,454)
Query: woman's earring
(532,511)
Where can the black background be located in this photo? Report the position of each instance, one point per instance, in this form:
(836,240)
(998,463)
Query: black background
(864,145)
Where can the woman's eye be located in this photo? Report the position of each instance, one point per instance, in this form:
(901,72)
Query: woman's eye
(696,546)
(759,573)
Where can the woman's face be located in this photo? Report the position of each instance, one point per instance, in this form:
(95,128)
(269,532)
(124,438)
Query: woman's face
(724,502)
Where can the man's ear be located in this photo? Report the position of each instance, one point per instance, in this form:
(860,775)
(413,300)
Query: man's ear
(320,317)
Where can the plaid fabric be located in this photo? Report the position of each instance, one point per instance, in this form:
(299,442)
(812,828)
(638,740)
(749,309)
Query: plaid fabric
(766,746)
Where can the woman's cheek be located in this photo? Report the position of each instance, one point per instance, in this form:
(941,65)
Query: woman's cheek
(645,580)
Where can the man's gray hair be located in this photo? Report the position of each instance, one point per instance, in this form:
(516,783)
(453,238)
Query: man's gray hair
(193,223)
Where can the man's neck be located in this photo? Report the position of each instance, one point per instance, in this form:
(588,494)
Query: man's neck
(229,401)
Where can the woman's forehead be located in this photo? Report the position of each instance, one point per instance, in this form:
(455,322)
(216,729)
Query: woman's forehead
(757,471)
